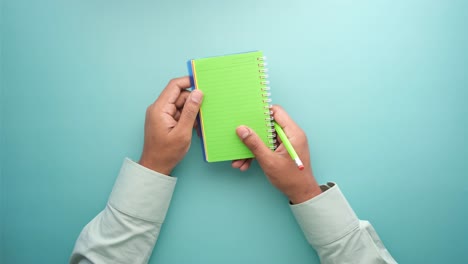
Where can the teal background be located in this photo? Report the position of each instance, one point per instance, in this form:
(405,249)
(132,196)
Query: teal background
(380,87)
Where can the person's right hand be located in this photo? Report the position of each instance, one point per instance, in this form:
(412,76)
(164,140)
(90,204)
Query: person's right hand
(298,185)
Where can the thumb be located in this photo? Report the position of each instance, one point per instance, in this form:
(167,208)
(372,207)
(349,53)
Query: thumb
(190,111)
(254,143)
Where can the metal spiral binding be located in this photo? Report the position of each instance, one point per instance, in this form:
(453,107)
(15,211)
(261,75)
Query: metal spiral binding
(266,102)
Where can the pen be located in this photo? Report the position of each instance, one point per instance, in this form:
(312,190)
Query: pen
(288,146)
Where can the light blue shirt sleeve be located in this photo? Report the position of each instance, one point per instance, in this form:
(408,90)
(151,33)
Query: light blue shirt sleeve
(128,227)
(333,229)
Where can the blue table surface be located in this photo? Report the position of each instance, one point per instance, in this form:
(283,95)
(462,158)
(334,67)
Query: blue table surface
(380,88)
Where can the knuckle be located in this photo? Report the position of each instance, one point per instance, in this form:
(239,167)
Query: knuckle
(302,134)
(148,110)
(172,82)
(276,107)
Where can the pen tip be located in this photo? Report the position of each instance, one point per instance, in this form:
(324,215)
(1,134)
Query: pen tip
(301,167)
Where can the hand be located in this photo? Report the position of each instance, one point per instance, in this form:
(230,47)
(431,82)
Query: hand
(298,185)
(168,126)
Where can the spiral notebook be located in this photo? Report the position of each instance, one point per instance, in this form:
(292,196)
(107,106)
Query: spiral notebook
(236,92)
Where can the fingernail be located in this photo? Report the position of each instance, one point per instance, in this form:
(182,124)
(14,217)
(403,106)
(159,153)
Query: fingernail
(243,132)
(196,96)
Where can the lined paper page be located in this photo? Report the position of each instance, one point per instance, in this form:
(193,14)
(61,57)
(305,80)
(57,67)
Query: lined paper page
(233,96)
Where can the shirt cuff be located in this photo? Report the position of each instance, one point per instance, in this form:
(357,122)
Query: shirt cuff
(327,217)
(142,193)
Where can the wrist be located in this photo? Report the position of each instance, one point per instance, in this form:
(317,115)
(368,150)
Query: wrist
(305,194)
(156,166)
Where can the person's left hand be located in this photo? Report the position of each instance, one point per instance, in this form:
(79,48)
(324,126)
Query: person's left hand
(168,126)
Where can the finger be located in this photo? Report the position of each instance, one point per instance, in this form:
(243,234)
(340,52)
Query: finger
(283,119)
(182,98)
(171,93)
(177,115)
(169,109)
(195,126)
(246,165)
(190,111)
(242,164)
(254,143)
(237,163)
(278,141)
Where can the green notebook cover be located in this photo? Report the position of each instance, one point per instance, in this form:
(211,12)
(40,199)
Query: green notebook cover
(235,93)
